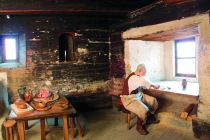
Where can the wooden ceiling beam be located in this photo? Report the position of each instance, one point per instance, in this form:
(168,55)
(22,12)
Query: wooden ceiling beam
(176,1)
(177,33)
(63,11)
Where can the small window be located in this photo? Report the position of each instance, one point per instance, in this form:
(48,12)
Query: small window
(66,47)
(185,58)
(10,48)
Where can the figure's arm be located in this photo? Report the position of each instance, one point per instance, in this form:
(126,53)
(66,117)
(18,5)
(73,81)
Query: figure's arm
(155,86)
(149,84)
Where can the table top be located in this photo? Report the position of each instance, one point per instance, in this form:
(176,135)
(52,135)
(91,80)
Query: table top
(36,114)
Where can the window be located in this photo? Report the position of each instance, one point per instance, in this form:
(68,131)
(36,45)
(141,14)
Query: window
(66,47)
(9,48)
(185,58)
(12,50)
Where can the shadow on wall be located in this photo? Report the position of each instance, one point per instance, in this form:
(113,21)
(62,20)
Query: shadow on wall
(4,101)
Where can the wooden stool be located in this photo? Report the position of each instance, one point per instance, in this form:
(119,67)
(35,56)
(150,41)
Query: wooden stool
(128,120)
(9,124)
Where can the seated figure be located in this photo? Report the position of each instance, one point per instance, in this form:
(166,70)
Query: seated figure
(143,105)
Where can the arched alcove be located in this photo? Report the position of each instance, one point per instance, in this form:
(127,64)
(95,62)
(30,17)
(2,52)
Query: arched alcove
(66,47)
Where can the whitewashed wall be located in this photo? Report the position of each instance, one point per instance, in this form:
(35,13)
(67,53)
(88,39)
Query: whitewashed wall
(149,53)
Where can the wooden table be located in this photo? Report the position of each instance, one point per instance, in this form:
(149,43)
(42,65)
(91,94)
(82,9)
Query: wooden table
(42,115)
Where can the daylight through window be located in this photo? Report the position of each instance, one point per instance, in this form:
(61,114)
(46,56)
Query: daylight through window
(10,49)
(185,58)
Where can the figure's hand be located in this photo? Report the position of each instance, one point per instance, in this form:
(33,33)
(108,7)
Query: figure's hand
(156,86)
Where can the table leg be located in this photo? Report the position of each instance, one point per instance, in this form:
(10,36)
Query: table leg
(79,127)
(56,121)
(20,125)
(72,127)
(65,127)
(42,126)
(26,125)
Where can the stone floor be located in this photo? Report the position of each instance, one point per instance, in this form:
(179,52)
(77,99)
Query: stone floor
(109,124)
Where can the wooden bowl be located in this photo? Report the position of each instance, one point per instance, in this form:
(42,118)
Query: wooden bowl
(41,105)
(20,104)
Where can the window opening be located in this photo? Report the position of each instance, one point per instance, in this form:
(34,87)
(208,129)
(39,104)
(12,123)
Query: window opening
(10,49)
(66,47)
(185,58)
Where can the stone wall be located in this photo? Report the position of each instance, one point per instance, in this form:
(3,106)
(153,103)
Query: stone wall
(43,68)
(117,62)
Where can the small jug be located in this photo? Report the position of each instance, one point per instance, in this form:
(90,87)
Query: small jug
(184,83)
(28,96)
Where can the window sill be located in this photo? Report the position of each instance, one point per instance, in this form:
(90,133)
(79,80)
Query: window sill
(11,65)
(189,79)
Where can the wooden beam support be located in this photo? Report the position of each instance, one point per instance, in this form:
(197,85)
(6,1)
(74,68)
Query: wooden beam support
(63,11)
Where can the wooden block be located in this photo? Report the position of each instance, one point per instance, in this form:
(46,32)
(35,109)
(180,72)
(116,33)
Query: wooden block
(191,117)
(186,111)
(183,115)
